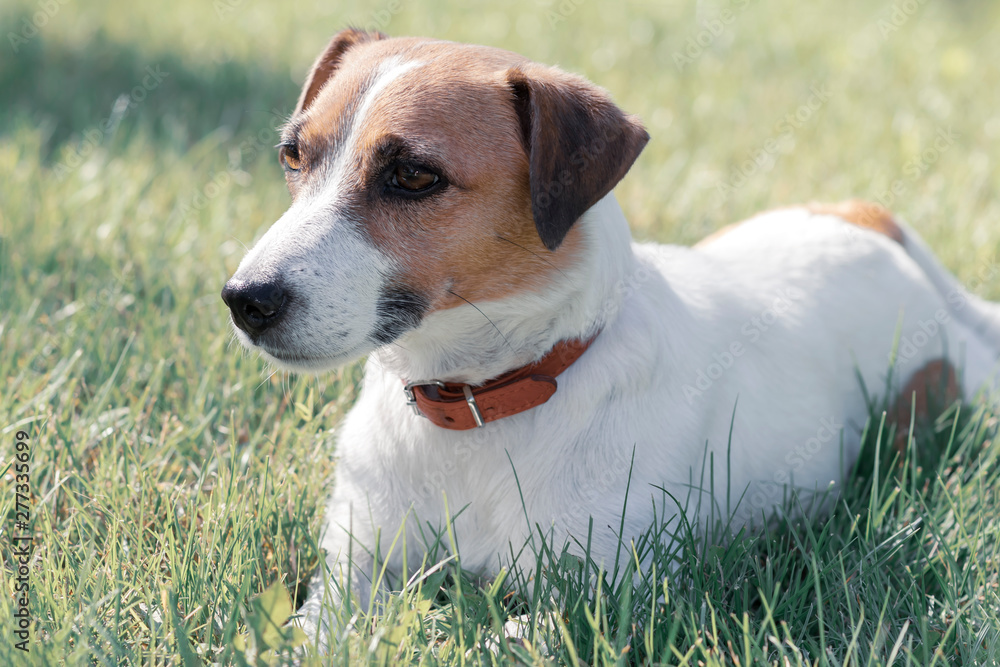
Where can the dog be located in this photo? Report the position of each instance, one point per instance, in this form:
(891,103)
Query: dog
(452,218)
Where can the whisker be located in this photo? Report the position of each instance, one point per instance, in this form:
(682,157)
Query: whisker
(541,257)
(395,344)
(265,380)
(487,319)
(241,243)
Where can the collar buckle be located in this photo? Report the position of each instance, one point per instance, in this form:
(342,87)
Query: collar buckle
(411,399)
(470,399)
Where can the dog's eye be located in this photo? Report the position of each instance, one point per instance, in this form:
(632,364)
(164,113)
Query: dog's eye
(413,179)
(289,157)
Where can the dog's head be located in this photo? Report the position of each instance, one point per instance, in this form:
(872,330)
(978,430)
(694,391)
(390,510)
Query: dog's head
(424,175)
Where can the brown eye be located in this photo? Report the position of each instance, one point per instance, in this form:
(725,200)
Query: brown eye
(413,178)
(289,156)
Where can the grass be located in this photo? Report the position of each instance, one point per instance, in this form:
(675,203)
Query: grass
(172,482)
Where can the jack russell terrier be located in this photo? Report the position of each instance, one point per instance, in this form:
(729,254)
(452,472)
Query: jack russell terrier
(452,218)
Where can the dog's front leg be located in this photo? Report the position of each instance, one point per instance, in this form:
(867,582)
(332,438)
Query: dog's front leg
(349,568)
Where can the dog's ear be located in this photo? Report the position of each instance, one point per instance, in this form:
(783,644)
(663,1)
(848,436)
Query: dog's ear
(327,63)
(579,144)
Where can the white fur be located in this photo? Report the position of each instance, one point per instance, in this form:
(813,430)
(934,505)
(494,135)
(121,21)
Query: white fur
(763,333)
(810,300)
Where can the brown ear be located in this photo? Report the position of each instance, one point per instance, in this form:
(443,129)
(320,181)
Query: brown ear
(327,63)
(579,145)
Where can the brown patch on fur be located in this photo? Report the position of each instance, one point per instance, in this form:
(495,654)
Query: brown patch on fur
(855,211)
(329,60)
(475,239)
(863,214)
(717,234)
(935,386)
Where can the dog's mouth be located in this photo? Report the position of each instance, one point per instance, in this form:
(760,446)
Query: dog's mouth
(286,357)
(303,363)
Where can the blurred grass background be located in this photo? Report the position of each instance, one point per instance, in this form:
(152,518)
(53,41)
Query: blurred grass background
(136,165)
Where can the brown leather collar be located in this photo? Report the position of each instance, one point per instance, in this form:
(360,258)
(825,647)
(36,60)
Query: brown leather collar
(460,407)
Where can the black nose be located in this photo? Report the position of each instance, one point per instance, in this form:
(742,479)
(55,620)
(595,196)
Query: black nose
(255,306)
